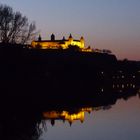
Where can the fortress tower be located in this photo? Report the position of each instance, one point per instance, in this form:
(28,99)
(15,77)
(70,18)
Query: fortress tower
(82,42)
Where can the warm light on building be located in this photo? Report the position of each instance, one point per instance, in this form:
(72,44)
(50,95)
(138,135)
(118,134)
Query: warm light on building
(52,116)
(64,115)
(64,44)
(58,44)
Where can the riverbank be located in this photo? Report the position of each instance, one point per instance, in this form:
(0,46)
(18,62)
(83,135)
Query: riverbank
(36,72)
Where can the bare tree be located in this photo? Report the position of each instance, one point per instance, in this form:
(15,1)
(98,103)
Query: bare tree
(14,27)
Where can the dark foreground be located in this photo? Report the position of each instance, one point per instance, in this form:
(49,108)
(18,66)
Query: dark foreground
(34,81)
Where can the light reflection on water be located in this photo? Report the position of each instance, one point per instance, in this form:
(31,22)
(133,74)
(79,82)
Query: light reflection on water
(119,121)
(108,112)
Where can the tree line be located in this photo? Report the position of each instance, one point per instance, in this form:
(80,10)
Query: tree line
(14,27)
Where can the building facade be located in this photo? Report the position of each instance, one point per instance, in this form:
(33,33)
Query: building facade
(58,44)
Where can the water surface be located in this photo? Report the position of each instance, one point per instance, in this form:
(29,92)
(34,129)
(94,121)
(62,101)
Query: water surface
(120,121)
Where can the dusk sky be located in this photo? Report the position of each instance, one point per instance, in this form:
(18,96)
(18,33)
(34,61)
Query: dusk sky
(105,24)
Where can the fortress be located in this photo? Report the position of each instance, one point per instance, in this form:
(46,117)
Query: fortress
(58,44)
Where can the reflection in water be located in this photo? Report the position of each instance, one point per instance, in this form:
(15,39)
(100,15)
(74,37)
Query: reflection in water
(28,120)
(67,116)
(123,87)
(79,114)
(71,117)
(64,116)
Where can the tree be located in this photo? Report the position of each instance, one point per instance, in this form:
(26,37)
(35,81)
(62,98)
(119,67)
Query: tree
(73,48)
(106,51)
(14,27)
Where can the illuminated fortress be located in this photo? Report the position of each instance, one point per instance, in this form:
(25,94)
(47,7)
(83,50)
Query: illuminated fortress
(58,44)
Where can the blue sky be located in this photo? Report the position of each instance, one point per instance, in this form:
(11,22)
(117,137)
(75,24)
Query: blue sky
(105,24)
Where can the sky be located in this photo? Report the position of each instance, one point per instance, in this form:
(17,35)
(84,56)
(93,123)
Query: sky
(105,24)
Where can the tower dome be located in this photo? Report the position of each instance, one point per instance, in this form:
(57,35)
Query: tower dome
(52,37)
(82,38)
(70,36)
(39,38)
(70,39)
(63,38)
